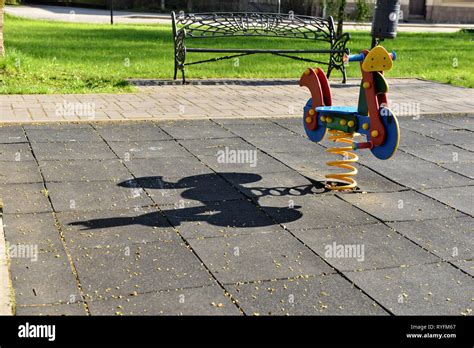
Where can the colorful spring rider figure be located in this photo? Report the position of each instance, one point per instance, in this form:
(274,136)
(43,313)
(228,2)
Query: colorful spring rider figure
(371,118)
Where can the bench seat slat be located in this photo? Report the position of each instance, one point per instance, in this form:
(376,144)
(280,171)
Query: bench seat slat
(243,50)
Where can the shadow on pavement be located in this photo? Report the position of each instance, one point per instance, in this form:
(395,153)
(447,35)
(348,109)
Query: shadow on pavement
(234,213)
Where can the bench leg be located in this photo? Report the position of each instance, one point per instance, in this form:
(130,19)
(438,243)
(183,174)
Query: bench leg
(328,74)
(175,70)
(344,76)
(183,74)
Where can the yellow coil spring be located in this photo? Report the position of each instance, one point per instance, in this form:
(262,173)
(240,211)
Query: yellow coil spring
(349,157)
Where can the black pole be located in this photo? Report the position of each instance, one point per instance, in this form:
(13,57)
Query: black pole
(111,12)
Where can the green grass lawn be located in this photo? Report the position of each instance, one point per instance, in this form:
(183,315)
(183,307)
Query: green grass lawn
(54,57)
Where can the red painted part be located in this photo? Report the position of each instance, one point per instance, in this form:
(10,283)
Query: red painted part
(373,106)
(326,90)
(365,145)
(311,81)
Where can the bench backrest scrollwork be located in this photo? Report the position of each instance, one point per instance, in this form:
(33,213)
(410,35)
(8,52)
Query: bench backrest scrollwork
(212,25)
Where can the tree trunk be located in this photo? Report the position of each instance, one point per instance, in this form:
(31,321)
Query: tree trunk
(2,47)
(340,17)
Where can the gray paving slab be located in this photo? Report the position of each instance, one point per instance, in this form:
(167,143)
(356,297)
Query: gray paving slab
(32,229)
(466,265)
(364,247)
(69,134)
(207,300)
(448,154)
(408,170)
(148,149)
(137,131)
(218,219)
(424,125)
(258,130)
(12,134)
(317,210)
(24,198)
(409,138)
(256,162)
(308,161)
(77,309)
(95,195)
(45,281)
(466,169)
(210,147)
(294,124)
(178,130)
(258,256)
(15,152)
(323,295)
(72,151)
(450,239)
(400,206)
(458,122)
(84,170)
(203,188)
(281,143)
(139,268)
(460,198)
(107,228)
(466,146)
(433,289)
(370,181)
(241,120)
(19,172)
(455,136)
(167,167)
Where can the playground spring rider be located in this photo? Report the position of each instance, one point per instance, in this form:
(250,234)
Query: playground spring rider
(371,117)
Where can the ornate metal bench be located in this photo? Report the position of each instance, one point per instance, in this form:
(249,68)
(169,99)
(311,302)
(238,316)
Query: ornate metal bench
(199,26)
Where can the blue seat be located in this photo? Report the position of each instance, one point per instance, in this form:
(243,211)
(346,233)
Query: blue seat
(336,110)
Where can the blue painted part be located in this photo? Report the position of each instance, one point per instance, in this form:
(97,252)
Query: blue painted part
(336,110)
(360,121)
(392,135)
(318,134)
(356,57)
(394,55)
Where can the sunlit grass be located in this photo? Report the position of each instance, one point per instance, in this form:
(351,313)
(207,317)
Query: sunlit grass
(54,57)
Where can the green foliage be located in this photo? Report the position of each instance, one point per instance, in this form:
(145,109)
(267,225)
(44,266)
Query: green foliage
(55,57)
(332,7)
(363,10)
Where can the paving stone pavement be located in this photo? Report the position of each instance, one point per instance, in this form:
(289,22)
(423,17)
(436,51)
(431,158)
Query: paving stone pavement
(226,99)
(143,218)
